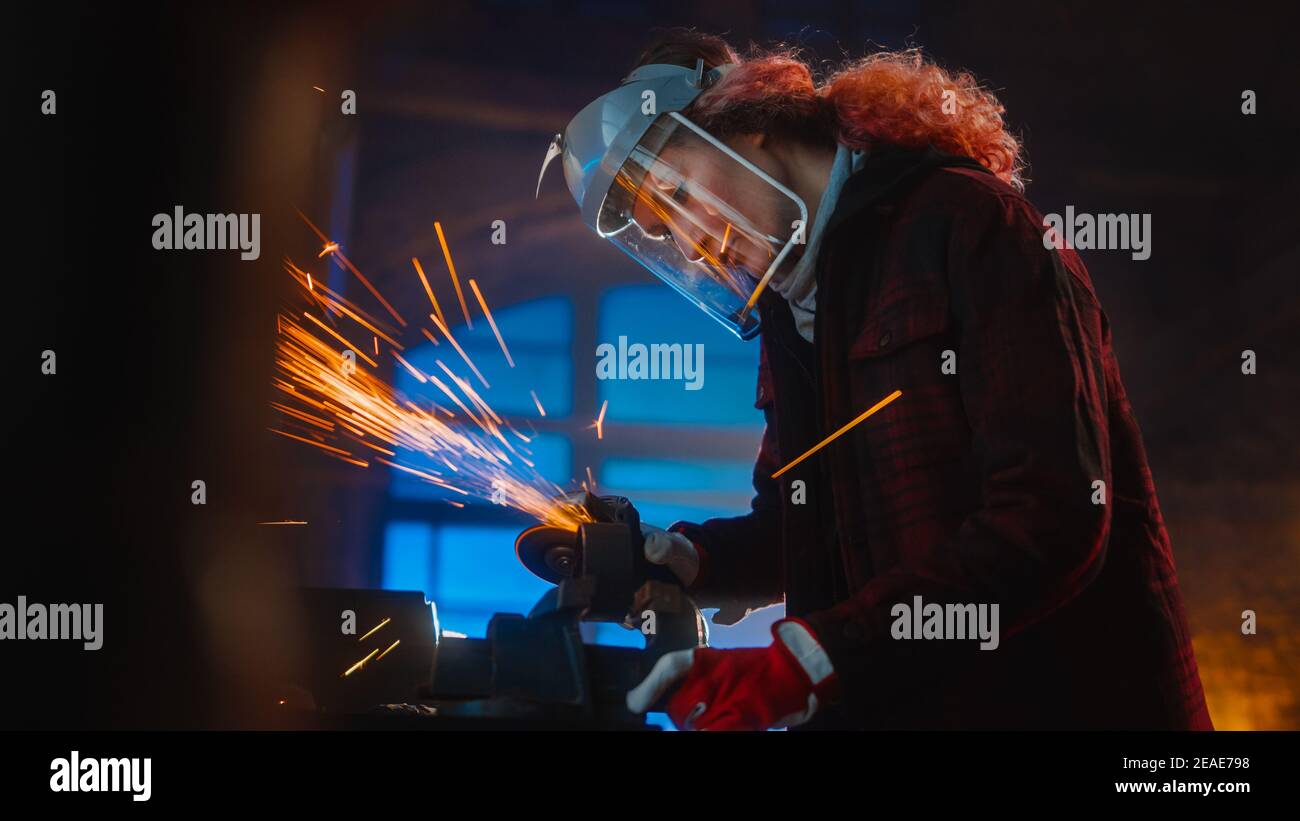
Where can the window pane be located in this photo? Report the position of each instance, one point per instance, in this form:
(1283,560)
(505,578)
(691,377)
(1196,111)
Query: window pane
(648,314)
(476,574)
(408,551)
(538,334)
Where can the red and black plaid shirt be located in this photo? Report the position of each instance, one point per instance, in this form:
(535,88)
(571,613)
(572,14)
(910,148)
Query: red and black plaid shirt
(974,487)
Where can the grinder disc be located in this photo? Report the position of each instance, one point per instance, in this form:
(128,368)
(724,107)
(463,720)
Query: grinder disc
(550,553)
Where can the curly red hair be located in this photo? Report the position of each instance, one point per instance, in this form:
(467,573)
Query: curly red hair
(891,97)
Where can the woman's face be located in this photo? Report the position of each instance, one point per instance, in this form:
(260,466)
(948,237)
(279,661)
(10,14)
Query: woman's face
(720,214)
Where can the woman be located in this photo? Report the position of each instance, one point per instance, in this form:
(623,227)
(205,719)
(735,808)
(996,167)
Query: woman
(872,231)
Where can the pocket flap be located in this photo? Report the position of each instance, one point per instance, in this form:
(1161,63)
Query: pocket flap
(900,322)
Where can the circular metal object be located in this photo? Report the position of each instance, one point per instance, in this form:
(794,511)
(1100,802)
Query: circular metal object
(550,553)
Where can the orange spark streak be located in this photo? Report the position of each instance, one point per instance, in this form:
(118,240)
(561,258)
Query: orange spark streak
(469,391)
(359,664)
(340,305)
(459,350)
(426,476)
(538,402)
(429,335)
(377,346)
(482,304)
(438,383)
(327,309)
(348,264)
(753,298)
(437,309)
(375,447)
(600,420)
(437,226)
(349,460)
(408,367)
(837,434)
(312,226)
(373,629)
(285,522)
(386,652)
(311,442)
(316,421)
(340,338)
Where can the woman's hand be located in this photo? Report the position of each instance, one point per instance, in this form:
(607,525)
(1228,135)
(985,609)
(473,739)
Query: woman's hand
(752,688)
(673,550)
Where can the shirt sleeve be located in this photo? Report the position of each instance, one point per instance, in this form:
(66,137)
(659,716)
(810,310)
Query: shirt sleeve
(740,556)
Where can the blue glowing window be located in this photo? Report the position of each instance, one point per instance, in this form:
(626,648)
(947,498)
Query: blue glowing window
(666,490)
(648,314)
(539,335)
(469,571)
(408,551)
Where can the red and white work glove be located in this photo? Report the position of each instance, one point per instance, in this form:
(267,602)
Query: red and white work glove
(751,688)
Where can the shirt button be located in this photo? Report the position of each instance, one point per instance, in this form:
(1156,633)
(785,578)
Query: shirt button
(885,339)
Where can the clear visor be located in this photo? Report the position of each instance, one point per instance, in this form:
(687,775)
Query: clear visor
(703,219)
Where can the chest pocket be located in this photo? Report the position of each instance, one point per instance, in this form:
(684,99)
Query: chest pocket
(901,322)
(901,347)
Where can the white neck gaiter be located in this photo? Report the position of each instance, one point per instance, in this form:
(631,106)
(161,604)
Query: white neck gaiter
(799,287)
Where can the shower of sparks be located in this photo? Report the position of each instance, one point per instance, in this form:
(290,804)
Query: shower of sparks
(537,402)
(335,397)
(447,333)
(446,253)
(333,249)
(483,304)
(346,344)
(372,630)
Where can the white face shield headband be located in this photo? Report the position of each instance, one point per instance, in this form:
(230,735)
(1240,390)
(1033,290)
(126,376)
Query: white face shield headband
(705,220)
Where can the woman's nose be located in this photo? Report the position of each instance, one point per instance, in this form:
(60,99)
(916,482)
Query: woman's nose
(694,248)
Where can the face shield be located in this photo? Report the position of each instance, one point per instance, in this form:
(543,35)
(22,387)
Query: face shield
(703,219)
